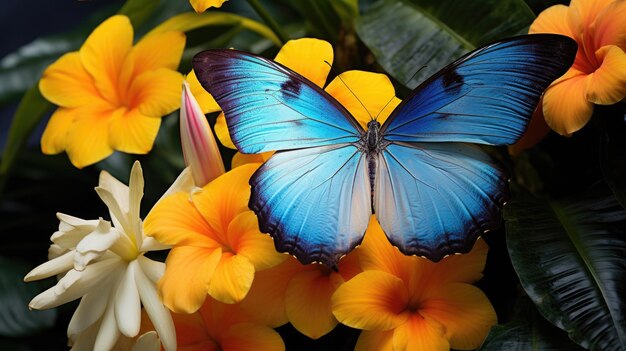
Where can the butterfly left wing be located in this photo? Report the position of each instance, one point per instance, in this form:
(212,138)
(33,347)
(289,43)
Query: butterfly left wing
(316,202)
(435,199)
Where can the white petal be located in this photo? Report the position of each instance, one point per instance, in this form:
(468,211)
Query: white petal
(108,333)
(135,190)
(76,284)
(148,342)
(159,315)
(90,309)
(85,340)
(154,270)
(55,251)
(119,214)
(95,244)
(55,266)
(72,230)
(118,190)
(184,182)
(127,303)
(151,244)
(68,222)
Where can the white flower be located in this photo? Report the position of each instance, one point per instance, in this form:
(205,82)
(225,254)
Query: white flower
(105,266)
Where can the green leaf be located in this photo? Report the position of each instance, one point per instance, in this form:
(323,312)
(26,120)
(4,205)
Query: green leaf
(527,331)
(413,39)
(570,256)
(15,317)
(138,11)
(31,109)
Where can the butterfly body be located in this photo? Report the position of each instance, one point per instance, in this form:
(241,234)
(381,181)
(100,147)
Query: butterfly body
(432,189)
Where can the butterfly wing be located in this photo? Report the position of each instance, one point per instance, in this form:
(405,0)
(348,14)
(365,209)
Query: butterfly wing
(435,199)
(316,202)
(485,97)
(270,107)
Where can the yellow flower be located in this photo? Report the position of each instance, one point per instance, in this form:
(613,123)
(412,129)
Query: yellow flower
(598,75)
(410,303)
(111,95)
(217,245)
(201,5)
(311,58)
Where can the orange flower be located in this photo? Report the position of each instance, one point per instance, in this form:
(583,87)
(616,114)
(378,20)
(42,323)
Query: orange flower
(201,5)
(111,95)
(598,75)
(410,303)
(217,245)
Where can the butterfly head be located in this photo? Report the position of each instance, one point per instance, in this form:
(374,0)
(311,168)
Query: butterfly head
(372,136)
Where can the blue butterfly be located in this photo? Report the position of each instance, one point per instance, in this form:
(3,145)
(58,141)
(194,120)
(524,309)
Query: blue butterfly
(432,191)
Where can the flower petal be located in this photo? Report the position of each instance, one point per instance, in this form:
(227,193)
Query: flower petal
(188,270)
(184,183)
(67,83)
(240,159)
(54,138)
(201,5)
(364,94)
(247,241)
(377,253)
(251,337)
(419,334)
(108,332)
(552,20)
(232,279)
(309,57)
(55,266)
(221,130)
(565,104)
(127,303)
(308,302)
(609,27)
(583,13)
(607,85)
(156,93)
(133,132)
(90,309)
(373,300)
(88,138)
(148,342)
(104,52)
(374,340)
(158,50)
(205,100)
(462,268)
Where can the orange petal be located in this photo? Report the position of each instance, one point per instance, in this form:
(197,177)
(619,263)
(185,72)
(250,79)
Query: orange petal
(88,138)
(201,5)
(266,299)
(188,270)
(374,340)
(104,53)
(607,85)
(132,132)
(162,50)
(175,221)
(240,159)
(205,100)
(190,330)
(224,198)
(309,57)
(365,95)
(251,337)
(54,138)
(232,279)
(537,130)
(373,300)
(67,83)
(609,27)
(466,268)
(583,13)
(463,310)
(565,104)
(221,130)
(349,265)
(419,334)
(156,93)
(247,241)
(308,302)
(376,253)
(552,20)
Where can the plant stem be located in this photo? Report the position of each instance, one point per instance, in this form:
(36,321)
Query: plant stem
(267,18)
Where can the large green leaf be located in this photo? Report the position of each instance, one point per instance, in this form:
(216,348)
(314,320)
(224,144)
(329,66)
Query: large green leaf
(570,256)
(413,39)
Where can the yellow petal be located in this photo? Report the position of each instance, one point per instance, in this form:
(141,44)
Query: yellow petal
(221,130)
(104,53)
(54,138)
(463,310)
(205,100)
(232,279)
(565,104)
(224,198)
(156,93)
(419,334)
(88,138)
(266,299)
(132,132)
(374,340)
(162,50)
(373,300)
(188,270)
(609,27)
(308,302)
(247,241)
(465,268)
(201,5)
(376,253)
(67,83)
(175,221)
(309,57)
(252,337)
(607,85)
(552,20)
(240,159)
(365,95)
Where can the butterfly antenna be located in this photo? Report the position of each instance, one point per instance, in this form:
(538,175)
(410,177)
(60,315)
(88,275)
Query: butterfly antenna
(384,107)
(356,97)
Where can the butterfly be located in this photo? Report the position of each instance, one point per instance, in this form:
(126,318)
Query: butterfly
(431,187)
